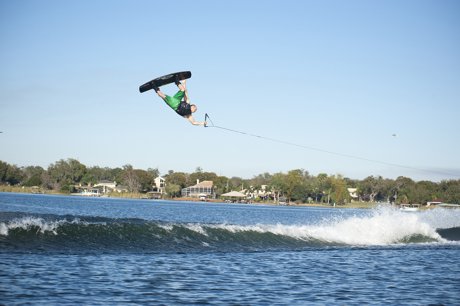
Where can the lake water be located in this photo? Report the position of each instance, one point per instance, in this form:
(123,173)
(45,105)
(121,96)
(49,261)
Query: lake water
(57,250)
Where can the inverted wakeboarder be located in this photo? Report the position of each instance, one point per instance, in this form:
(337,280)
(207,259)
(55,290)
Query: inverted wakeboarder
(180,102)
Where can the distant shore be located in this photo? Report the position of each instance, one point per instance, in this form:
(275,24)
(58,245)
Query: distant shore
(127,195)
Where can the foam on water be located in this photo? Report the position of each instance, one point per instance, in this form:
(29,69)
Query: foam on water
(26,223)
(382,227)
(379,227)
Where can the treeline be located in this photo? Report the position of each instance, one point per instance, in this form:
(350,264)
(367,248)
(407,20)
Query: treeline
(295,185)
(65,175)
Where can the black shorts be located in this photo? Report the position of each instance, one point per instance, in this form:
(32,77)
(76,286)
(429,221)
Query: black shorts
(184,109)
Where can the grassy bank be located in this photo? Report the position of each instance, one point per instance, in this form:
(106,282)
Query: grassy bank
(24,189)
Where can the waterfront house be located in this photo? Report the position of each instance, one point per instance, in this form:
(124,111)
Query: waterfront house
(160,185)
(434,202)
(353,192)
(106,186)
(158,189)
(257,193)
(87,191)
(121,189)
(201,189)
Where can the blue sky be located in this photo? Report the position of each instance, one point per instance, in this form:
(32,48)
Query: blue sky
(340,76)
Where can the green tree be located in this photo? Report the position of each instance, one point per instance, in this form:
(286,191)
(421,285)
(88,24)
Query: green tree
(340,193)
(291,185)
(33,176)
(64,174)
(278,185)
(424,191)
(221,185)
(96,174)
(146,180)
(173,190)
(294,185)
(175,181)
(116,175)
(404,188)
(176,178)
(323,188)
(3,170)
(201,176)
(373,189)
(237,183)
(154,172)
(261,179)
(131,179)
(450,191)
(10,174)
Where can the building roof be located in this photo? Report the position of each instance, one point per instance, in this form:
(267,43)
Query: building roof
(106,182)
(235,194)
(203,184)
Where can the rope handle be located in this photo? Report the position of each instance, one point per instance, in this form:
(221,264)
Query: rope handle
(206,119)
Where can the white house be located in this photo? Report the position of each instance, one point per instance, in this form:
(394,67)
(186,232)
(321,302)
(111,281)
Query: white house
(107,186)
(160,185)
(353,192)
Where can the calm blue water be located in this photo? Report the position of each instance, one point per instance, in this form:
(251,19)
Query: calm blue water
(68,250)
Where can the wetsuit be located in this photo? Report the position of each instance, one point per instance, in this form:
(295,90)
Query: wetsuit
(175,102)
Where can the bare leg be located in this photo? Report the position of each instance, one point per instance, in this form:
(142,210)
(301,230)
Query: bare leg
(160,94)
(182,86)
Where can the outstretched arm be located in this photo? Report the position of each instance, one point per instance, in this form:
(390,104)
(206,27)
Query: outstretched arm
(192,121)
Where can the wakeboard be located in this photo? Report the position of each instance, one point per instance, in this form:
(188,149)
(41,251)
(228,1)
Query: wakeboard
(166,79)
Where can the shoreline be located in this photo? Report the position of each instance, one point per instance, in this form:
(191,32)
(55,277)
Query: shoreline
(140,196)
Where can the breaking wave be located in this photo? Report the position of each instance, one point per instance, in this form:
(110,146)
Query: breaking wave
(35,233)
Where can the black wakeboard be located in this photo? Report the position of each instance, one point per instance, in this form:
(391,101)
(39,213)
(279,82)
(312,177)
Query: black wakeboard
(166,79)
